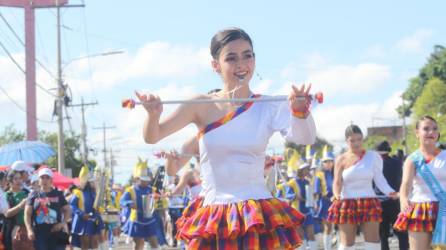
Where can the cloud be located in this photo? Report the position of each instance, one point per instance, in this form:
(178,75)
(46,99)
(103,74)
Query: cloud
(153,60)
(339,79)
(332,120)
(415,42)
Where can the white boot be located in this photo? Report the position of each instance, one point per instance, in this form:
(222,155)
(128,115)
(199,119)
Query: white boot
(327,241)
(372,246)
(342,247)
(312,245)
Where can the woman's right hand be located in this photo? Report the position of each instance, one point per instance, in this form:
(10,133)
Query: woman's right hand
(151,103)
(31,235)
(404,205)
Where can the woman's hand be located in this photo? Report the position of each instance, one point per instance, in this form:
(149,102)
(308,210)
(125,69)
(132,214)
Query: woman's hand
(151,103)
(299,100)
(394,195)
(405,205)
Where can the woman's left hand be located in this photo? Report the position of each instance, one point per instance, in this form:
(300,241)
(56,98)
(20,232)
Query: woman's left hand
(394,195)
(299,100)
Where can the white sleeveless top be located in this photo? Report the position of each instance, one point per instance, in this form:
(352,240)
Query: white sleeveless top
(233,155)
(420,191)
(357,179)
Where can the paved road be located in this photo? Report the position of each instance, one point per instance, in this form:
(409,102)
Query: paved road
(359,245)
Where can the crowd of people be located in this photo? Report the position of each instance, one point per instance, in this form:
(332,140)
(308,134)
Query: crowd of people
(236,197)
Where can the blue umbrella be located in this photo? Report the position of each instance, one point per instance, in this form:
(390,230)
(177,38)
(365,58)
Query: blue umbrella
(28,151)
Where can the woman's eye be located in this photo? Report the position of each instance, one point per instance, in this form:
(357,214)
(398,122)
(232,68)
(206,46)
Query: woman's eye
(248,56)
(230,59)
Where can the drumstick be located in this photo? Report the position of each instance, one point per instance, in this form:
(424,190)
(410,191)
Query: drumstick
(318,97)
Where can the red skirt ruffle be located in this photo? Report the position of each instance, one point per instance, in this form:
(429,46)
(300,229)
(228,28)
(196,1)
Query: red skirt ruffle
(251,224)
(354,211)
(420,217)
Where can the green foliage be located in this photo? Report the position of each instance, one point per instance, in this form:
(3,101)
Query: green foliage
(72,146)
(10,134)
(434,68)
(317,146)
(371,141)
(432,102)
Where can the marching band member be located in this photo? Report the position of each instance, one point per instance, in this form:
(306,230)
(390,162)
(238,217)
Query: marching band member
(300,187)
(355,200)
(140,225)
(237,210)
(323,189)
(87,223)
(423,204)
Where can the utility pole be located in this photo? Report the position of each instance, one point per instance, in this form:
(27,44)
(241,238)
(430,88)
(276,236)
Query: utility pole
(112,165)
(30,56)
(104,131)
(406,150)
(83,105)
(60,95)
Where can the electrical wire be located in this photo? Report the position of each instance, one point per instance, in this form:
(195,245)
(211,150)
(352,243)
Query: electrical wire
(20,107)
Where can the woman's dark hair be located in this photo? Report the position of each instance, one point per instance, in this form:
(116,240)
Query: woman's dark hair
(3,175)
(424,118)
(352,129)
(224,37)
(11,175)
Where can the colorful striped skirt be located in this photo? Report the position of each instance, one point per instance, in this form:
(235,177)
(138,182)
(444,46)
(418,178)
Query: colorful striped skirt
(251,224)
(420,217)
(354,211)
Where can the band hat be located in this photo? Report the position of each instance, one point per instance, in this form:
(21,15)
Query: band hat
(327,155)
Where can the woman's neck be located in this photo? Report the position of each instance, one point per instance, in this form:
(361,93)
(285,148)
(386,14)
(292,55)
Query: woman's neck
(16,189)
(235,91)
(357,152)
(428,149)
(46,189)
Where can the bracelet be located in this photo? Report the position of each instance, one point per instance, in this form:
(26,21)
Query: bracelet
(300,114)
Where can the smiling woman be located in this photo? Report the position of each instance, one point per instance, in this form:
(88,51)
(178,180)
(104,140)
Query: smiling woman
(236,210)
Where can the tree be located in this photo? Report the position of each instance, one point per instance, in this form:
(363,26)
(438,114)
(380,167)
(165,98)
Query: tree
(72,147)
(370,142)
(432,102)
(434,68)
(317,146)
(10,134)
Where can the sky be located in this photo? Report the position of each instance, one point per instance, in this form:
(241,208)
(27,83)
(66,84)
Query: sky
(360,54)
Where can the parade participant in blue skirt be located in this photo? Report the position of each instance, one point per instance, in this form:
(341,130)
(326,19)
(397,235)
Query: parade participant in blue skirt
(140,225)
(323,189)
(87,223)
(299,187)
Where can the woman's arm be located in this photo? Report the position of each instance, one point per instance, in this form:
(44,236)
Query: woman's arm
(378,176)
(16,209)
(154,130)
(175,162)
(337,180)
(182,183)
(406,184)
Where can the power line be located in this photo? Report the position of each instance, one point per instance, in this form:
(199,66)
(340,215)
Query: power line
(20,107)
(23,43)
(23,71)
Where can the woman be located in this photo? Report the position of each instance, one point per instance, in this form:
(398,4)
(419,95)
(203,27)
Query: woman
(17,200)
(419,206)
(237,211)
(355,201)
